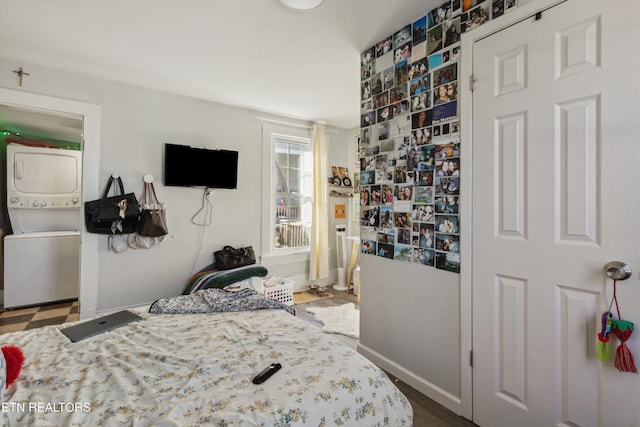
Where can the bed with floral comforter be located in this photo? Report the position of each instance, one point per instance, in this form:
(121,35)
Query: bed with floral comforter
(197,370)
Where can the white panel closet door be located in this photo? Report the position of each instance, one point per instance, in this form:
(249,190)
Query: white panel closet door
(556,154)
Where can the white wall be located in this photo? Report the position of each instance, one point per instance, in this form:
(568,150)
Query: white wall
(410,325)
(410,322)
(341,153)
(136,123)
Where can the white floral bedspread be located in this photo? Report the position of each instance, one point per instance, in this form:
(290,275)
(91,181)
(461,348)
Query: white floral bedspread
(196,370)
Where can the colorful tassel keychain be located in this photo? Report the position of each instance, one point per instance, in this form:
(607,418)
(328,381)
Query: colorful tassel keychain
(624,358)
(622,329)
(603,349)
(603,336)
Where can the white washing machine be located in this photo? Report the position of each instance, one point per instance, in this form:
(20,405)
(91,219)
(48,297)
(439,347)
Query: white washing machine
(41,267)
(41,257)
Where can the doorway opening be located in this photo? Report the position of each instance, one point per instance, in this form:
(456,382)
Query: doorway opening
(74,127)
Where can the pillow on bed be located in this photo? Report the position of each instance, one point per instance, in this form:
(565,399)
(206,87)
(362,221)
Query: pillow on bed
(209,277)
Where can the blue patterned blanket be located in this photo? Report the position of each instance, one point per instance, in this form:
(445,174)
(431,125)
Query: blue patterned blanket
(215,300)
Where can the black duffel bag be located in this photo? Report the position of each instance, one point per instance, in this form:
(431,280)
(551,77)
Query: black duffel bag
(229,257)
(118,214)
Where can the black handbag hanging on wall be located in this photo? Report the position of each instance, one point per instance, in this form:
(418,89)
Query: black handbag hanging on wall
(230,257)
(117,214)
(153,222)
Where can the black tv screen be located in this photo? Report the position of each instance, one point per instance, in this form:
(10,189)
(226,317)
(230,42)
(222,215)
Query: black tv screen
(186,166)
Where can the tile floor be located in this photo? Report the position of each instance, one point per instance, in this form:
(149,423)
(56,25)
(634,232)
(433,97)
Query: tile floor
(34,317)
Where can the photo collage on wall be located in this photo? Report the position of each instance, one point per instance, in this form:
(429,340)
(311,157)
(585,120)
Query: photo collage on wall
(409,150)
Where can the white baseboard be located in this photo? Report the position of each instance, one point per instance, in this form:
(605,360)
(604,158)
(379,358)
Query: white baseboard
(430,390)
(124,307)
(301,281)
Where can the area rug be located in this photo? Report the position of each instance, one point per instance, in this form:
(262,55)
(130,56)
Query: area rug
(341,319)
(306,296)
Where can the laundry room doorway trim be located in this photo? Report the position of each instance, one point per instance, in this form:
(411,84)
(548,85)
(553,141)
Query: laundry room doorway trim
(91,113)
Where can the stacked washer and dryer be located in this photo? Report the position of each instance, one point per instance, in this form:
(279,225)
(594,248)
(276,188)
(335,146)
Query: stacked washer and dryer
(42,256)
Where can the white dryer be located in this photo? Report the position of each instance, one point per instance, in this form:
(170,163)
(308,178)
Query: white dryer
(43,188)
(41,261)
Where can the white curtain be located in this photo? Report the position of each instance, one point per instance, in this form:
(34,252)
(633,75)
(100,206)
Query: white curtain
(319,257)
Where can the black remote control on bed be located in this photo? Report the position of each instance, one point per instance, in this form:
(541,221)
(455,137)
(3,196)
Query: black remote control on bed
(266,374)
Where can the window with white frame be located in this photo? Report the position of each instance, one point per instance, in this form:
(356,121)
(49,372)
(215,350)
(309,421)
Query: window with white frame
(292,193)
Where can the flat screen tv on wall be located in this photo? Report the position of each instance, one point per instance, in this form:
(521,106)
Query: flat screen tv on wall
(186,166)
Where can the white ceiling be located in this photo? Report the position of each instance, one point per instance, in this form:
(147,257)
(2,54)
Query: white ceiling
(30,124)
(249,53)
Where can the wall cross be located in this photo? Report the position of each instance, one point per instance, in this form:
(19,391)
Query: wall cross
(21,73)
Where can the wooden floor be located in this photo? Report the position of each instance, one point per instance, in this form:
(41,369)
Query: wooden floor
(426,412)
